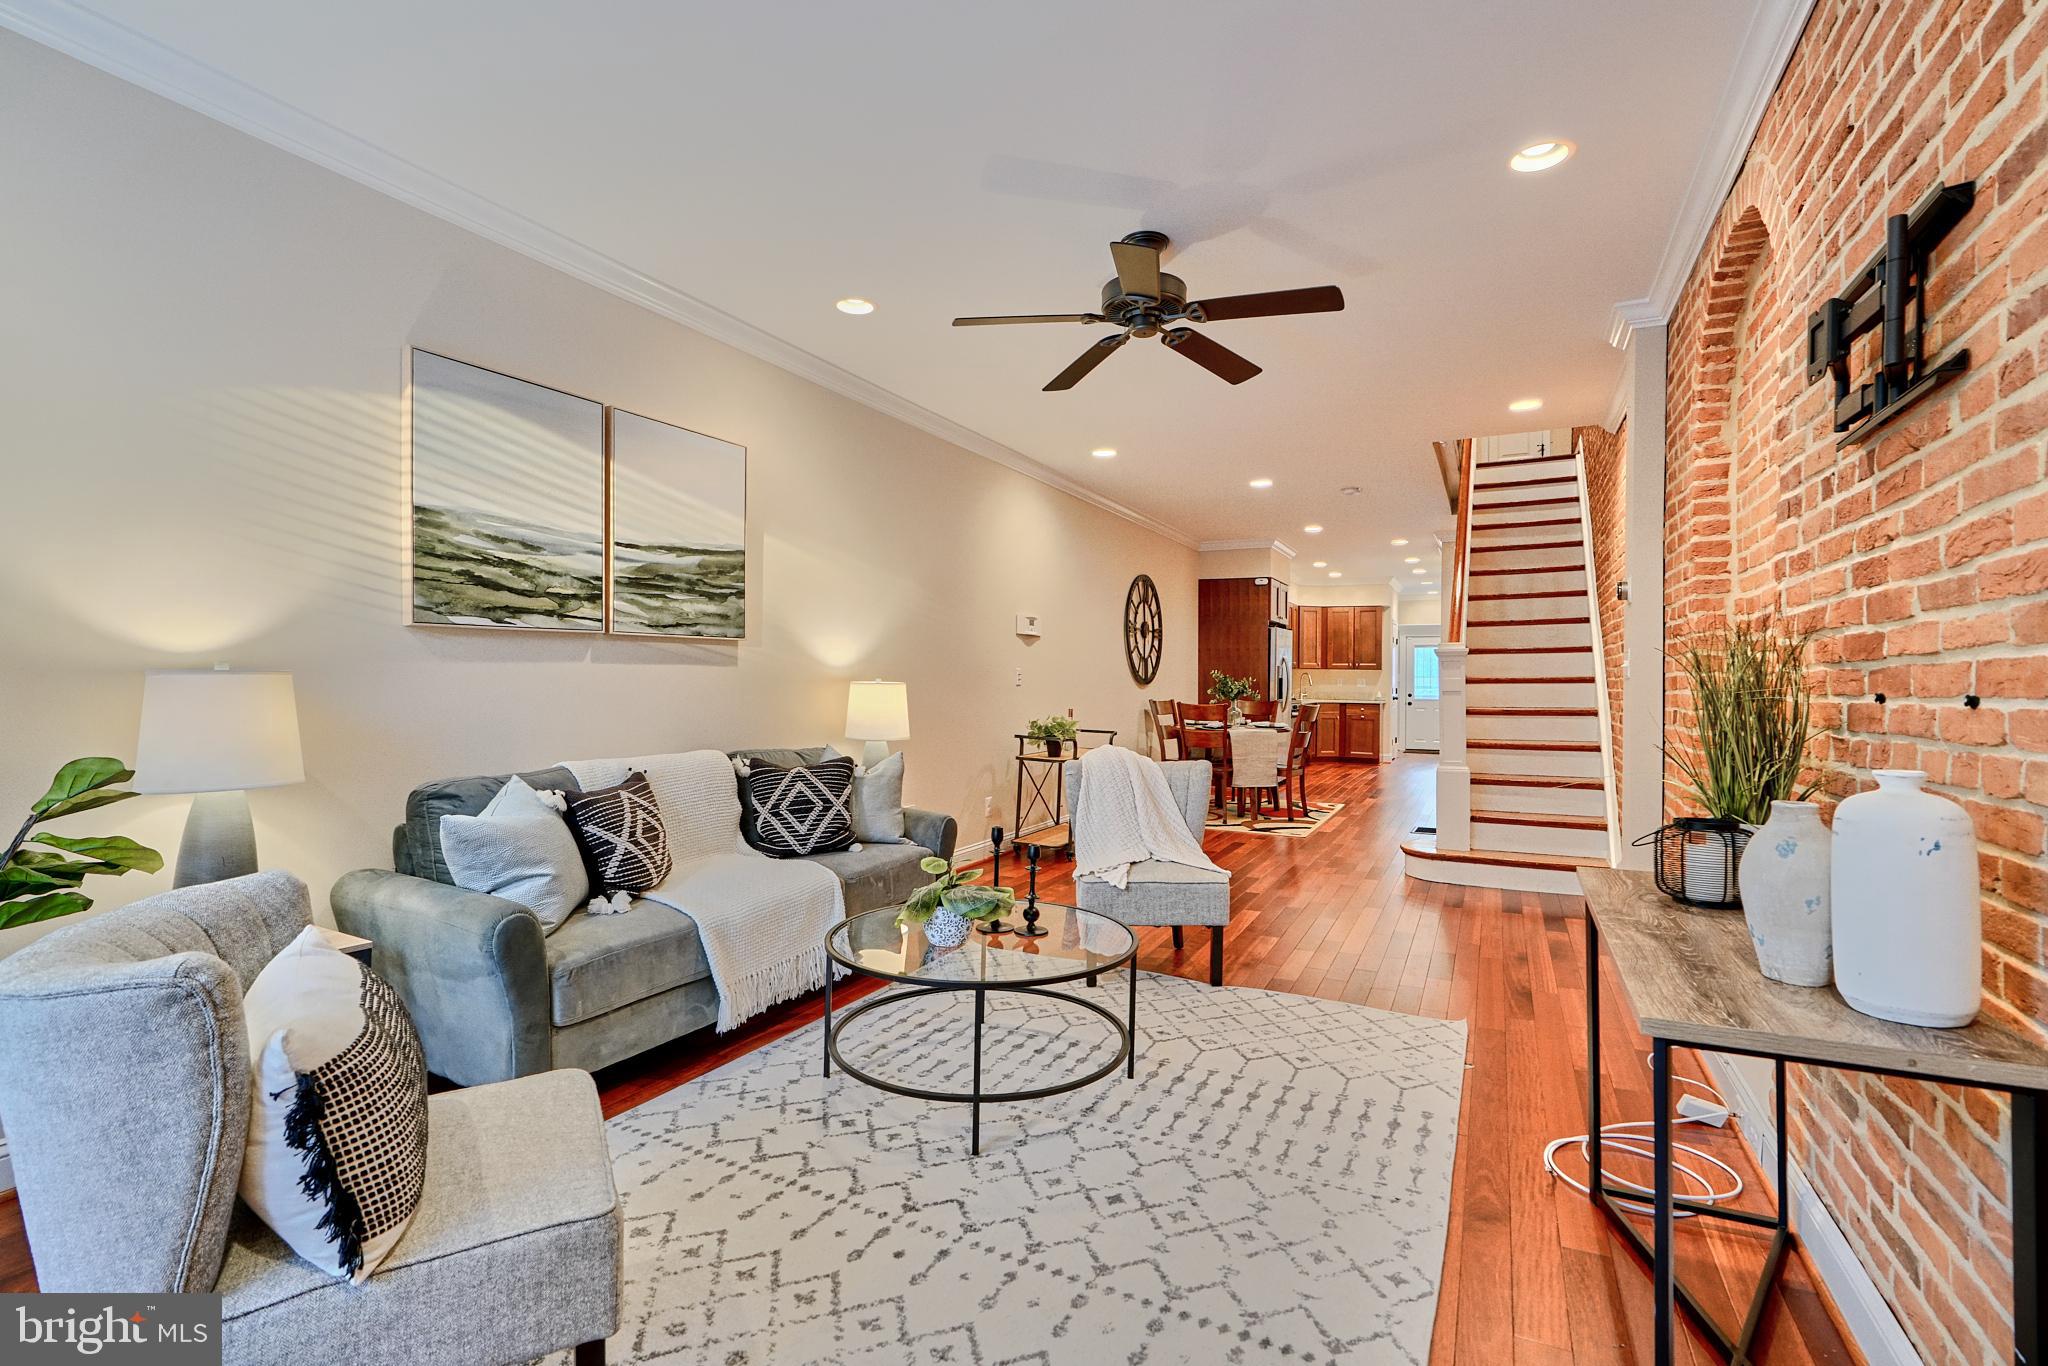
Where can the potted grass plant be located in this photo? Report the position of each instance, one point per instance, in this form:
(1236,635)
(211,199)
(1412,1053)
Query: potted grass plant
(1755,720)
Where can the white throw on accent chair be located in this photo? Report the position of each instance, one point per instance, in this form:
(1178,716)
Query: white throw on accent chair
(1163,893)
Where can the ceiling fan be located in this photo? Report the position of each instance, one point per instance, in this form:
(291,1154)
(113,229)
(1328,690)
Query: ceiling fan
(1144,301)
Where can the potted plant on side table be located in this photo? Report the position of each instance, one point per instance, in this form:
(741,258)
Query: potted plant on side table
(945,906)
(1055,732)
(1750,699)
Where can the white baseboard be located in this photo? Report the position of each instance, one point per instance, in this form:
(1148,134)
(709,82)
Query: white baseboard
(1870,1321)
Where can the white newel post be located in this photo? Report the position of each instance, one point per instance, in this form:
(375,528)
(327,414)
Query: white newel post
(1453,778)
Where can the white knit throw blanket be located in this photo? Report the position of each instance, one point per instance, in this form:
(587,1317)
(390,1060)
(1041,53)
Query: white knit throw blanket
(763,921)
(1128,815)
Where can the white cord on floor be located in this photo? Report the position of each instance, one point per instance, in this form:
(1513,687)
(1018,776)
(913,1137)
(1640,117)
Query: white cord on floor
(1632,1137)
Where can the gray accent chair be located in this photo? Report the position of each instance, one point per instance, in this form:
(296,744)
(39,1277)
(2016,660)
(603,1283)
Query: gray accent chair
(494,998)
(124,1086)
(1163,893)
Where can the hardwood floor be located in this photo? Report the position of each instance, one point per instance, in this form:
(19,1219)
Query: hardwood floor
(1531,1273)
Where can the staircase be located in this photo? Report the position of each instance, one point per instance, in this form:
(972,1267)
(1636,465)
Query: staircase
(1522,802)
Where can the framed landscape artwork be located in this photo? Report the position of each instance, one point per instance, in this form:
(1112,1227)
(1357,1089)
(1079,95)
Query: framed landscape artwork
(676,561)
(505,481)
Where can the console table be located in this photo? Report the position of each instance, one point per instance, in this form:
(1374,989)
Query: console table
(1690,976)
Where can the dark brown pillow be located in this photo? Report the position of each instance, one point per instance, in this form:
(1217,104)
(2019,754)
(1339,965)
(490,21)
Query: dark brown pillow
(621,836)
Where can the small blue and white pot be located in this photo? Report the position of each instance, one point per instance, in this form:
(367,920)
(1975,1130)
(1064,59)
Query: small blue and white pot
(947,929)
(1784,876)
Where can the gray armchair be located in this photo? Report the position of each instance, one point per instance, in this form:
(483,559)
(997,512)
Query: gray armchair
(124,1086)
(1163,893)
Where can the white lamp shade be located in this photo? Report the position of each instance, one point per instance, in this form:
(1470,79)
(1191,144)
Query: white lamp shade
(215,731)
(878,711)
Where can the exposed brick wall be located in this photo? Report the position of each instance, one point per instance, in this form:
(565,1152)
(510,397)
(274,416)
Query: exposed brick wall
(1919,562)
(1606,492)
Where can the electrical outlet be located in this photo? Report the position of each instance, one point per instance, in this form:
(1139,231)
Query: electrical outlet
(988,806)
(1020,678)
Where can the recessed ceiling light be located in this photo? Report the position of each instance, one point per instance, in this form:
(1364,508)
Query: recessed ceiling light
(1262,483)
(1541,156)
(1313,530)
(1336,573)
(1413,559)
(1104,452)
(1525,405)
(1398,540)
(854,306)
(1321,564)
(1418,571)
(1351,490)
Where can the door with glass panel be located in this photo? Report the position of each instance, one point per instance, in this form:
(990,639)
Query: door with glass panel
(1420,689)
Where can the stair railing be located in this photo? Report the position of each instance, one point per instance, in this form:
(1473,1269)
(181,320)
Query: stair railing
(1453,771)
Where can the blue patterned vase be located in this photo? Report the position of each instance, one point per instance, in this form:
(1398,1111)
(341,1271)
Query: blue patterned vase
(1784,879)
(947,929)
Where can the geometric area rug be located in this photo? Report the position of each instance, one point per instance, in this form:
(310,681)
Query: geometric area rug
(1273,1187)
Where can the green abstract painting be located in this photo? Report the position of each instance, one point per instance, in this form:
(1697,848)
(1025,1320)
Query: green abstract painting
(678,561)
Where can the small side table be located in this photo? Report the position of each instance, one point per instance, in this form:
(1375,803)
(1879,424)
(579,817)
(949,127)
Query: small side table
(1044,796)
(354,945)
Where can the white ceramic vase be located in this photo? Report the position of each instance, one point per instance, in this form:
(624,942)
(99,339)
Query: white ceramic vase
(1909,938)
(1784,879)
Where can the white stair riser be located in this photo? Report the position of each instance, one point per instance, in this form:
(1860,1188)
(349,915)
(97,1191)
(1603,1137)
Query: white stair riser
(1518,609)
(1529,559)
(1513,536)
(1549,664)
(1484,517)
(1539,801)
(1535,762)
(1568,580)
(1539,839)
(1487,482)
(1508,635)
(1532,727)
(1529,694)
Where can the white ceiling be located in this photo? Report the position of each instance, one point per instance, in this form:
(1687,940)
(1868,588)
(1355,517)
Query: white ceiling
(945,158)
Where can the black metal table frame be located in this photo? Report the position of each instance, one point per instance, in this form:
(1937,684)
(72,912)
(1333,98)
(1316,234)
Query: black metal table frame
(2029,1199)
(1043,770)
(1127,1030)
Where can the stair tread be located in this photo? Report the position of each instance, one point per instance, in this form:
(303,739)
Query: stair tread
(1515,526)
(1523,502)
(1536,569)
(1424,846)
(1560,478)
(1478,549)
(1538,621)
(1544,679)
(1518,460)
(1536,780)
(1521,597)
(1539,746)
(1532,711)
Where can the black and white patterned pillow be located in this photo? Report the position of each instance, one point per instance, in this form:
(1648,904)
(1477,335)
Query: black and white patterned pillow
(336,1155)
(620,831)
(791,812)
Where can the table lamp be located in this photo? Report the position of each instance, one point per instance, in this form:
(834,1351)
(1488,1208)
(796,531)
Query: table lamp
(217,733)
(877,712)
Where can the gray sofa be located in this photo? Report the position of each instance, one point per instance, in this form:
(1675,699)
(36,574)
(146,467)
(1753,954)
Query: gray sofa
(493,998)
(125,1088)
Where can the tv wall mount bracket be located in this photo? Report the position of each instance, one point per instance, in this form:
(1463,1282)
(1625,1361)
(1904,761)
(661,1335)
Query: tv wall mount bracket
(1888,296)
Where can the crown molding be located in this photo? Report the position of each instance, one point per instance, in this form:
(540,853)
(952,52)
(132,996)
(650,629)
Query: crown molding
(1277,547)
(1767,45)
(142,61)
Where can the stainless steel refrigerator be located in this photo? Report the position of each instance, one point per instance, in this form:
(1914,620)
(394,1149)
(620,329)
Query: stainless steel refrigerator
(1280,665)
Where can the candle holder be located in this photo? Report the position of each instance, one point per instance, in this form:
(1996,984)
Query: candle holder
(1031,929)
(995,840)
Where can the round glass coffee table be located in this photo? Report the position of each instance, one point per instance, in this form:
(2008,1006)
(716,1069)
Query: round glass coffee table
(1078,946)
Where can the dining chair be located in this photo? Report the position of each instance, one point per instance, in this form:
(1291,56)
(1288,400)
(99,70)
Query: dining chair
(1212,743)
(1167,727)
(1299,747)
(1255,710)
(1258,765)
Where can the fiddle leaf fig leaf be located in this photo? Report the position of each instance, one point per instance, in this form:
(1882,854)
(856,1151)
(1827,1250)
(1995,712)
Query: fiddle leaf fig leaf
(42,908)
(76,779)
(116,853)
(19,879)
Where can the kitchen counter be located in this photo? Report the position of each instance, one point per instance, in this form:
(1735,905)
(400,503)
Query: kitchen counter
(1340,701)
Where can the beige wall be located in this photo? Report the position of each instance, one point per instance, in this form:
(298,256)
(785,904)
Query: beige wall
(1417,610)
(1258,562)
(200,387)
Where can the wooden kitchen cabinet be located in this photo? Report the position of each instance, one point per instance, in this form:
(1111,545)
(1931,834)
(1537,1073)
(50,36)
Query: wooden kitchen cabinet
(1361,734)
(1336,626)
(1339,637)
(1308,638)
(1328,742)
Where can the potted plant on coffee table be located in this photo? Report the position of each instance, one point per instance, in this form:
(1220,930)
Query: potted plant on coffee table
(944,907)
(1055,732)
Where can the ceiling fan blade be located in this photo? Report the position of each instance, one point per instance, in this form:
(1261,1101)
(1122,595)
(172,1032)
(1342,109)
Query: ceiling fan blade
(1216,359)
(1029,318)
(1137,268)
(1320,299)
(1088,360)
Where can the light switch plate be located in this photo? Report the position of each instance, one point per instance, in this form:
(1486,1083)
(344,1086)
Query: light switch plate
(1027,624)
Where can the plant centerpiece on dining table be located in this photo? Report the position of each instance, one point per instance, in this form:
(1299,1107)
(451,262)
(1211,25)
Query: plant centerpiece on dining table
(944,907)
(1755,721)
(1234,692)
(1054,732)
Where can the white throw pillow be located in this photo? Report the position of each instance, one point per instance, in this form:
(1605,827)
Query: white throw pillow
(877,808)
(337,1149)
(520,848)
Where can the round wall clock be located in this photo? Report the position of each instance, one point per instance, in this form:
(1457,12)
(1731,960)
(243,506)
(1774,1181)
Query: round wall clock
(1142,629)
